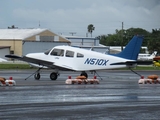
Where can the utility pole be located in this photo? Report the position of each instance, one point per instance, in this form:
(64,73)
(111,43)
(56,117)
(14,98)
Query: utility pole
(122,38)
(39,24)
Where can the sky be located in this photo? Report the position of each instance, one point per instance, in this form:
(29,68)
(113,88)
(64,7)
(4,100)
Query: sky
(73,16)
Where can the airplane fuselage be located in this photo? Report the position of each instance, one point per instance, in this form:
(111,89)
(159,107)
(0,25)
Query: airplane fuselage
(87,60)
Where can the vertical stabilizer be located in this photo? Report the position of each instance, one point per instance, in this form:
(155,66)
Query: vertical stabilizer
(132,49)
(154,54)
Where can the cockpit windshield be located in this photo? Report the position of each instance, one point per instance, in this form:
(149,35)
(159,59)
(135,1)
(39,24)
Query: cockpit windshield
(47,52)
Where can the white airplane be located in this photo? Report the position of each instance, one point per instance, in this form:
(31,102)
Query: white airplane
(147,56)
(78,59)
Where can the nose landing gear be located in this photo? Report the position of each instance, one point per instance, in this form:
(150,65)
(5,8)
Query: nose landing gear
(37,76)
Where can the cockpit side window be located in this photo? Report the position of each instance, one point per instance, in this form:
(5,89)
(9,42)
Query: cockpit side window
(79,55)
(57,52)
(69,53)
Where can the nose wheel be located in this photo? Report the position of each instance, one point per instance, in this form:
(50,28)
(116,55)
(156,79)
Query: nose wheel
(37,76)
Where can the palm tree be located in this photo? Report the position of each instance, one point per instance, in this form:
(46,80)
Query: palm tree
(91,28)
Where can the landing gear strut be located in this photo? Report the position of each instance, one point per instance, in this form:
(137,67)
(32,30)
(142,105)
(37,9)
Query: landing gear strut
(36,76)
(97,74)
(135,72)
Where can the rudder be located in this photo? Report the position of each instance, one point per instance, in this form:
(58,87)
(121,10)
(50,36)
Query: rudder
(132,49)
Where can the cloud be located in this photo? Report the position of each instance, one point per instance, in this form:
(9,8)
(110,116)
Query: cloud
(75,15)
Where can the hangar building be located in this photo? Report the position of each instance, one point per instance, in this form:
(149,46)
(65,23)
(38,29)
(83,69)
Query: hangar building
(23,41)
(87,43)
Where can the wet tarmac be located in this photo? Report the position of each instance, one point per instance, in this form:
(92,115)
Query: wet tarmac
(117,97)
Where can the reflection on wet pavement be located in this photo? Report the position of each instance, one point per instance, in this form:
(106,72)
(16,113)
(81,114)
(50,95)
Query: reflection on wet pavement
(113,98)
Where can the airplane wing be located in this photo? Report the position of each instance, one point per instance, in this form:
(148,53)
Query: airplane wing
(38,62)
(31,60)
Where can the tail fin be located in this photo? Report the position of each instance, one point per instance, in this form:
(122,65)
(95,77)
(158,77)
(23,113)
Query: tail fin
(132,49)
(154,54)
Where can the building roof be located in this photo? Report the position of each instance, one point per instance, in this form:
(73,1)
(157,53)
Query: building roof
(2,47)
(19,33)
(77,37)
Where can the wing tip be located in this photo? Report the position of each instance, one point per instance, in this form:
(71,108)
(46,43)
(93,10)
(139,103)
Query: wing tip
(13,56)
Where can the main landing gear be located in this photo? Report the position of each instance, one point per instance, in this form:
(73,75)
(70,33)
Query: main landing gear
(83,73)
(54,75)
(37,76)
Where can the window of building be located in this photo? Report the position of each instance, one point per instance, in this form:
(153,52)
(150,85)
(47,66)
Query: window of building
(11,52)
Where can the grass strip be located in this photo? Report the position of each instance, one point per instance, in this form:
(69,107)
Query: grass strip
(15,66)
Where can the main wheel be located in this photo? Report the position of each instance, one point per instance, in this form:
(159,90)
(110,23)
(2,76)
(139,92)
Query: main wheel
(37,76)
(53,76)
(84,74)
